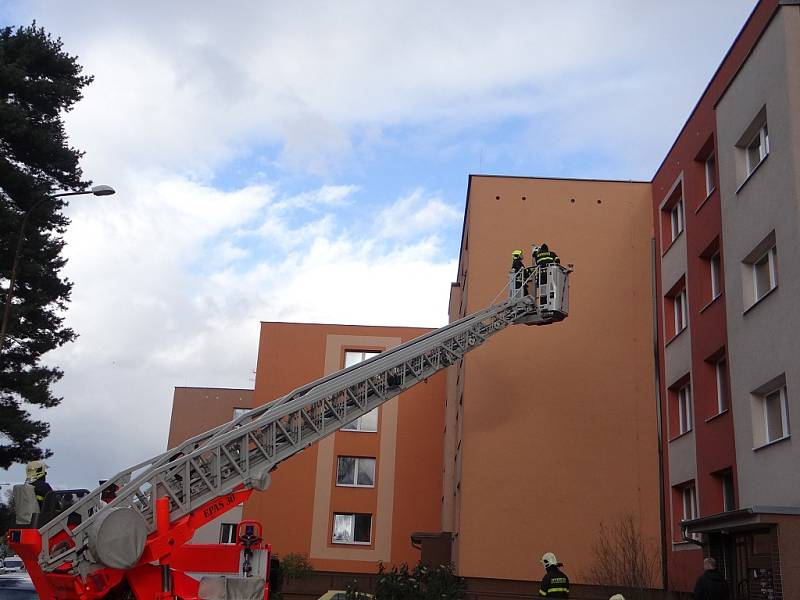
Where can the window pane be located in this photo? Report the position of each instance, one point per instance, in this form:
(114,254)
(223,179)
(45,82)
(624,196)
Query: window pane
(754,153)
(728,499)
(352,358)
(346,472)
(366,471)
(369,422)
(722,385)
(715,282)
(761,276)
(343,528)
(363,528)
(774,411)
(710,174)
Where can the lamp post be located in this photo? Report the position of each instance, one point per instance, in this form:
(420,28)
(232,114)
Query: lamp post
(98,190)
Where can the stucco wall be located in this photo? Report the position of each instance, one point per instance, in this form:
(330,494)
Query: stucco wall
(559,428)
(763,338)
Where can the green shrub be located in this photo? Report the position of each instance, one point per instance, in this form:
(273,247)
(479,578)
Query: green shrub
(423,583)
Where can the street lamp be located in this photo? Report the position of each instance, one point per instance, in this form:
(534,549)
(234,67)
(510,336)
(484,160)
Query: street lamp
(97,190)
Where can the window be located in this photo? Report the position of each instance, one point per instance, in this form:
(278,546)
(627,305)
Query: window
(776,415)
(227,533)
(352,529)
(728,496)
(238,412)
(676,218)
(353,357)
(689,495)
(710,177)
(367,422)
(721,369)
(765,276)
(757,149)
(716,276)
(685,409)
(357,472)
(679,309)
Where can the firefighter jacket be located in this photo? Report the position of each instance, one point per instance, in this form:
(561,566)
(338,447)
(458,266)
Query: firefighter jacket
(520,271)
(546,257)
(41,488)
(555,584)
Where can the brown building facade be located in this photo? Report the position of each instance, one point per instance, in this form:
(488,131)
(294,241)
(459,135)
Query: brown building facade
(355,498)
(550,431)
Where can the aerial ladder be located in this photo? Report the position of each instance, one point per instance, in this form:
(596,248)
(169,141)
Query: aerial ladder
(136,527)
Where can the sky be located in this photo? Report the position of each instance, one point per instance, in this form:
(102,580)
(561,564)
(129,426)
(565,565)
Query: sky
(291,161)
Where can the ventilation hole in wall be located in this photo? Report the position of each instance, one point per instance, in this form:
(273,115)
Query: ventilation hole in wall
(524,198)
(497,197)
(599,201)
(572,200)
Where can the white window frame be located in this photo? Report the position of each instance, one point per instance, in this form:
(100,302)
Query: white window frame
(679,306)
(353,357)
(689,496)
(689,504)
(762,138)
(676,219)
(685,416)
(721,373)
(784,405)
(771,255)
(711,184)
(726,480)
(362,423)
(715,263)
(358,460)
(338,517)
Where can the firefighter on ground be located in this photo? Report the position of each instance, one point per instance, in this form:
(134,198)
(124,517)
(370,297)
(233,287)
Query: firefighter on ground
(520,271)
(36,475)
(555,584)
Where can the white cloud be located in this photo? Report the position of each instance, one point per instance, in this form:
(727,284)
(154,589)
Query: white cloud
(172,282)
(415,214)
(187,85)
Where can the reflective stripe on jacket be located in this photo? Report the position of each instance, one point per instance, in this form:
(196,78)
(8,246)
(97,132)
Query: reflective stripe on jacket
(555,584)
(546,257)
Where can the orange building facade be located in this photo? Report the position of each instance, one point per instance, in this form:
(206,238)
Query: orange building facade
(516,451)
(355,498)
(551,431)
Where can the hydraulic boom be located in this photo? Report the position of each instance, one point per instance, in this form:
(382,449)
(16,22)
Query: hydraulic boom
(156,506)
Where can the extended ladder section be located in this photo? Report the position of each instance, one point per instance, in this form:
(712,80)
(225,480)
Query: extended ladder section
(241,453)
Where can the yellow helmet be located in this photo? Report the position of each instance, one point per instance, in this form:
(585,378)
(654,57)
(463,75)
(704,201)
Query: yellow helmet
(35,470)
(516,254)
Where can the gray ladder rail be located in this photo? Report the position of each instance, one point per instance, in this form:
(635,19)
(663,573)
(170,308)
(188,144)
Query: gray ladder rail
(92,503)
(242,452)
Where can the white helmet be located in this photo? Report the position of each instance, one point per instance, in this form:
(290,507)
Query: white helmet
(617,597)
(35,470)
(549,559)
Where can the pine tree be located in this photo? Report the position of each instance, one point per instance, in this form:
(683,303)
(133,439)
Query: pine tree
(39,82)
